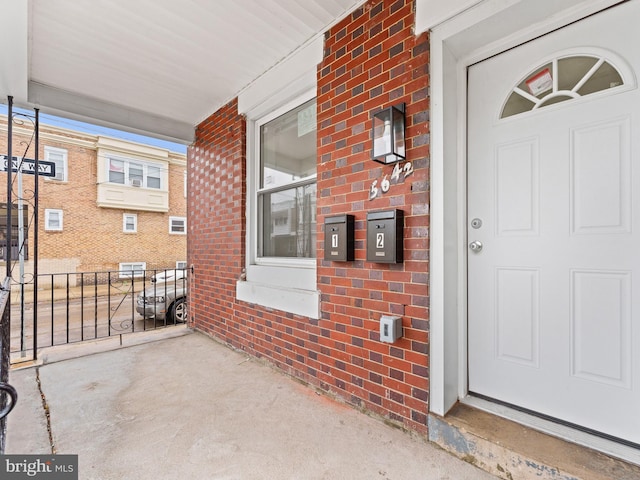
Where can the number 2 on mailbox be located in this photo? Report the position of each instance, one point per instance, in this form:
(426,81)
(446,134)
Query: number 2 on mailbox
(380,240)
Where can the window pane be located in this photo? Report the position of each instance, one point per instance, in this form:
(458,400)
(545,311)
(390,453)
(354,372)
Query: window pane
(130,223)
(572,69)
(59,159)
(516,104)
(288,146)
(153,177)
(116,171)
(59,170)
(288,222)
(538,88)
(135,172)
(54,220)
(132,270)
(605,77)
(178,225)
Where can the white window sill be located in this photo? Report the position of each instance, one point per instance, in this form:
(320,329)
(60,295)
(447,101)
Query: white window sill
(292,300)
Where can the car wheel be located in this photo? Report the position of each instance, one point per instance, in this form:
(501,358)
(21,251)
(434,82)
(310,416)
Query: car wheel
(179,311)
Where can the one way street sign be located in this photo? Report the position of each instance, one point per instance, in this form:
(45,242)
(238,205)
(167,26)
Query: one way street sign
(46,169)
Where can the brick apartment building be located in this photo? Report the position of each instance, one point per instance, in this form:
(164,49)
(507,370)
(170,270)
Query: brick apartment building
(113,205)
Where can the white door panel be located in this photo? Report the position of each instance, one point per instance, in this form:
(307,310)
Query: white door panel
(554,293)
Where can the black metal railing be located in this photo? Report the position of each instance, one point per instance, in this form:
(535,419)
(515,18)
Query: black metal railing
(8,394)
(77,307)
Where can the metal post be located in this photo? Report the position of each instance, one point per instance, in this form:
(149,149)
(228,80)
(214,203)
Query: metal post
(68,316)
(35,241)
(52,304)
(9,160)
(82,307)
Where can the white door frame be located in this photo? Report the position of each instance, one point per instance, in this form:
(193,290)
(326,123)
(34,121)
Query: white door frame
(485,29)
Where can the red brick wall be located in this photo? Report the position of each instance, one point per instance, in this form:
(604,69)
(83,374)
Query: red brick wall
(216,221)
(372,60)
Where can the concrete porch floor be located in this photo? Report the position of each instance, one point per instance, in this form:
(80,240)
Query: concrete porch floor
(189,407)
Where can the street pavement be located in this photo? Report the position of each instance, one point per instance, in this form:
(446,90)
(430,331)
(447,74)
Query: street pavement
(188,407)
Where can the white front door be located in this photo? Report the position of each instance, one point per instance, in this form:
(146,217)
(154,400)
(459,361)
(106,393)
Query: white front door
(554,225)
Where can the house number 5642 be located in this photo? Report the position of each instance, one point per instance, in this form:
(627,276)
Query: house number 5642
(400,172)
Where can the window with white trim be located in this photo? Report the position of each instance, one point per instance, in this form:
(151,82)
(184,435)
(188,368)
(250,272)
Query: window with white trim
(132,269)
(134,173)
(53,220)
(130,223)
(281,273)
(178,225)
(281,221)
(58,156)
(181,264)
(286,190)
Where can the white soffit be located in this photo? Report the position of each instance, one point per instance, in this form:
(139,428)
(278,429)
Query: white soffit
(293,76)
(430,13)
(487,21)
(13,49)
(155,66)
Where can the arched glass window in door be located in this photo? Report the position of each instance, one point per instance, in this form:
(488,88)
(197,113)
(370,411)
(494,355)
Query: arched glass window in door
(561,79)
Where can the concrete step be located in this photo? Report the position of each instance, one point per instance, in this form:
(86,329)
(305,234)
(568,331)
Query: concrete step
(512,451)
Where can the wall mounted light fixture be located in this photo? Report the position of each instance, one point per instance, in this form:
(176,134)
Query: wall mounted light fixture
(388,135)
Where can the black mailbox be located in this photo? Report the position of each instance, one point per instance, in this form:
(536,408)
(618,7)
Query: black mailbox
(385,236)
(339,238)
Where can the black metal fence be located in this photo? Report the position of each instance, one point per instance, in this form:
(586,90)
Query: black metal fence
(77,307)
(8,395)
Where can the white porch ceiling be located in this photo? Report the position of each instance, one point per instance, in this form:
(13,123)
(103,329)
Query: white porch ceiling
(157,67)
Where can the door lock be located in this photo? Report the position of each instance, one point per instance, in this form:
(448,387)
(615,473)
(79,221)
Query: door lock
(475,246)
(476,223)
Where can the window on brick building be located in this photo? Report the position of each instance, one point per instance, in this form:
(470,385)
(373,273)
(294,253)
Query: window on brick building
(53,220)
(134,173)
(132,269)
(286,193)
(58,156)
(129,223)
(178,225)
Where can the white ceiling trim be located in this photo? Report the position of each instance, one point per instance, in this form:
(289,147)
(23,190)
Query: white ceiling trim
(14,49)
(77,107)
(296,74)
(156,67)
